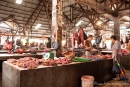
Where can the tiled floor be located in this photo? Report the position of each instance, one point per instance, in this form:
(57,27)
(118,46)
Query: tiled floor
(107,84)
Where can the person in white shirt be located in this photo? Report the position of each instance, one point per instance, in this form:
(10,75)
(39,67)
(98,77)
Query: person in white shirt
(116,52)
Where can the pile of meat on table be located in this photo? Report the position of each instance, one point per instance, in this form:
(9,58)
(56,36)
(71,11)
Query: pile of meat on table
(26,62)
(63,60)
(30,62)
(107,56)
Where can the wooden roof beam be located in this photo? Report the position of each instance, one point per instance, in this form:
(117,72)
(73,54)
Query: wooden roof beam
(35,14)
(95,5)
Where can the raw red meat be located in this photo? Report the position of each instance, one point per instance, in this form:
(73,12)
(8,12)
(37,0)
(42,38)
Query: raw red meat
(26,62)
(81,36)
(11,60)
(63,61)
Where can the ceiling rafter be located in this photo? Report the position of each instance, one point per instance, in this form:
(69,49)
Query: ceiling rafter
(34,15)
(76,15)
(122,3)
(14,8)
(87,15)
(95,5)
(87,24)
(8,2)
(76,20)
(66,17)
(15,26)
(48,11)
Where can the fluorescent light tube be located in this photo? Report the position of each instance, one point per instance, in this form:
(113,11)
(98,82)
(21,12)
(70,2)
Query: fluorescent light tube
(78,23)
(18,1)
(38,26)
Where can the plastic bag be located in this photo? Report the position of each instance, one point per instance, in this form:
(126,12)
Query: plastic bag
(115,68)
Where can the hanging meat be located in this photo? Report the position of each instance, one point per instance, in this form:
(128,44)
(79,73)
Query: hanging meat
(76,38)
(79,37)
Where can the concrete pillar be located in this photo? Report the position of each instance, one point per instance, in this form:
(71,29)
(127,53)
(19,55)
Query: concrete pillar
(117,27)
(54,19)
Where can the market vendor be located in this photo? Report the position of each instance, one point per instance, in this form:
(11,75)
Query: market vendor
(128,46)
(49,43)
(88,45)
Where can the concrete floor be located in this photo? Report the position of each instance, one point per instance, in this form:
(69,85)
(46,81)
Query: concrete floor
(117,83)
(108,84)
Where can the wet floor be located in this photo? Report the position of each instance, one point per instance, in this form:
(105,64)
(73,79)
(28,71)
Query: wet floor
(117,83)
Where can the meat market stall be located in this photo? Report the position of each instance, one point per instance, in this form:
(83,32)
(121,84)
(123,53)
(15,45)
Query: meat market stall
(4,57)
(125,59)
(79,51)
(68,75)
(17,56)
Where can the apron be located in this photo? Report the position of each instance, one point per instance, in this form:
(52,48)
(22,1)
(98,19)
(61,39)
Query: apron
(88,43)
(87,53)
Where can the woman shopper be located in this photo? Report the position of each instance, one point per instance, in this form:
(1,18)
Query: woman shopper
(116,53)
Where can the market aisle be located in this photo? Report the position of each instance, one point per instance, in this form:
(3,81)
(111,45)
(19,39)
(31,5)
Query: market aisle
(118,83)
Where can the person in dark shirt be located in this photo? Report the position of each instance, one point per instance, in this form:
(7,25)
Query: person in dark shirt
(88,43)
(49,43)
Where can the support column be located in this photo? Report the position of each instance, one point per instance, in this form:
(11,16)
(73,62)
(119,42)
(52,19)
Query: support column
(57,23)
(59,32)
(97,32)
(117,27)
(54,19)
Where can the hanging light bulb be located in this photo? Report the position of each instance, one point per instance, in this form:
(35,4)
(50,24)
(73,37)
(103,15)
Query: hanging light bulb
(98,23)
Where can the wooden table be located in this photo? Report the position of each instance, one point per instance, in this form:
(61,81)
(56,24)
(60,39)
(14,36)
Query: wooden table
(58,76)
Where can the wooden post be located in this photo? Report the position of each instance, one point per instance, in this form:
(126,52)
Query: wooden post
(57,23)
(97,32)
(59,31)
(96,35)
(117,27)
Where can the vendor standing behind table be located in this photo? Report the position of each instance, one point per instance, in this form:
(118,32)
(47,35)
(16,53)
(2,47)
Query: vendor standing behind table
(49,43)
(128,46)
(88,45)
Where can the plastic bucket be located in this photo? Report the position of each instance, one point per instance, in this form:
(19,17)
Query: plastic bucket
(87,81)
